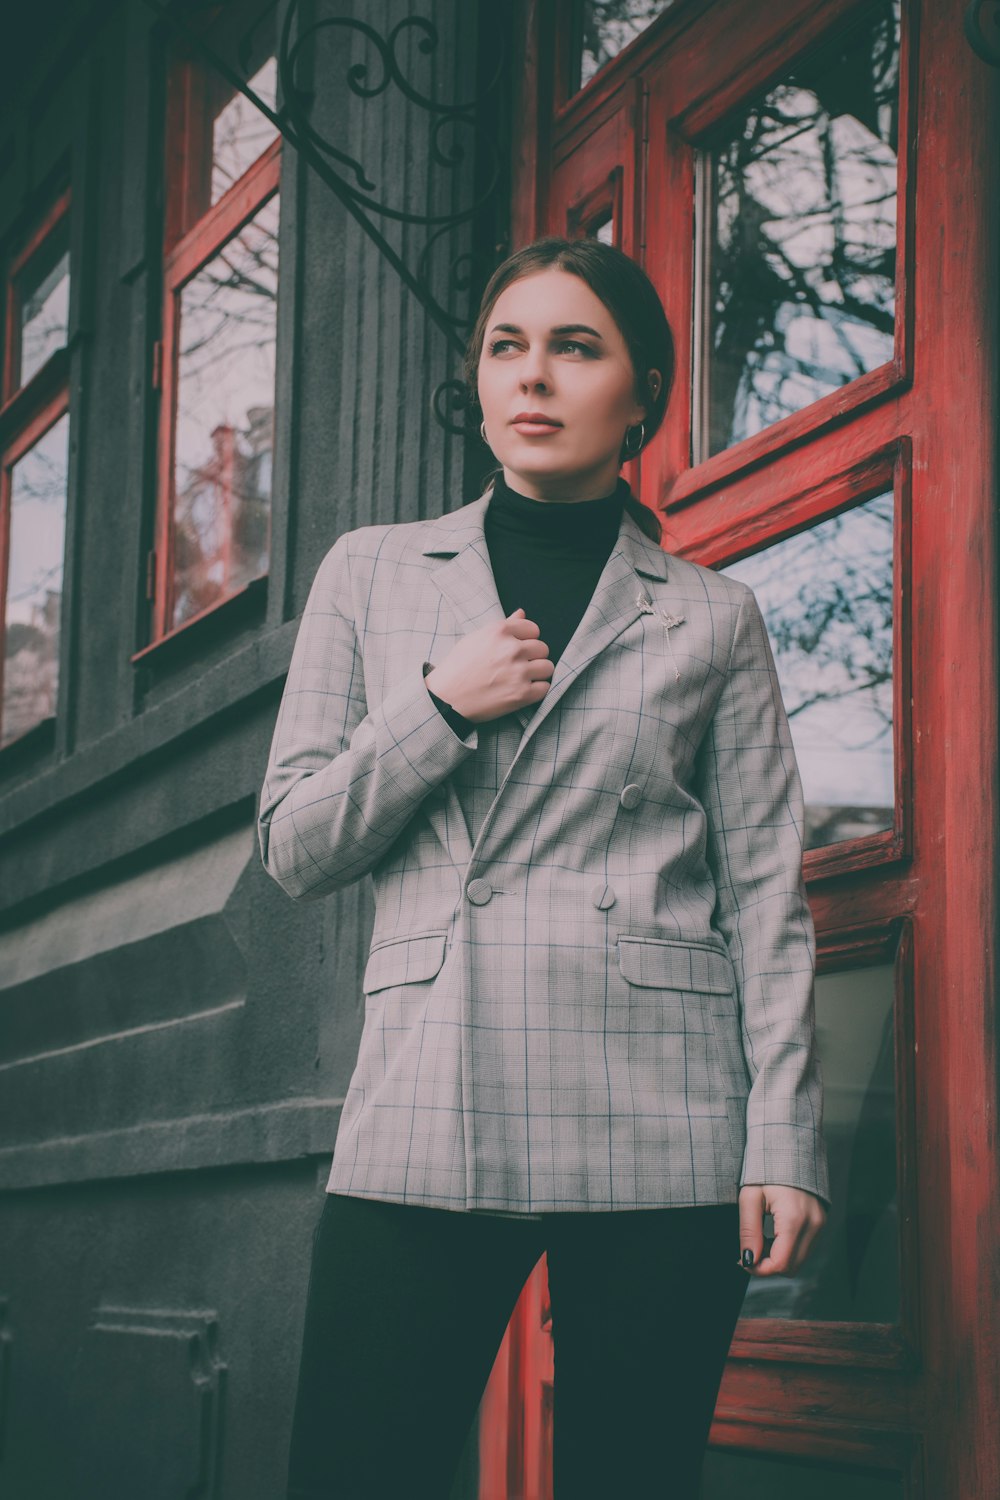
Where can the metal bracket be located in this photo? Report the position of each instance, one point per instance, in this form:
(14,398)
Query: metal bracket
(344,175)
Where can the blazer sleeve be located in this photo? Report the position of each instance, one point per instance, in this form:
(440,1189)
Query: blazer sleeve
(751,790)
(343,777)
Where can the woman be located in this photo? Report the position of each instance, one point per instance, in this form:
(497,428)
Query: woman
(562,755)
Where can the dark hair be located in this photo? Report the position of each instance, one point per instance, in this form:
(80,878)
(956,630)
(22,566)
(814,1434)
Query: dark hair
(631,299)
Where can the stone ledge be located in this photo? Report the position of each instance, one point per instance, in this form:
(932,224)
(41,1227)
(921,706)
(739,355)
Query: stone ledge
(268,1133)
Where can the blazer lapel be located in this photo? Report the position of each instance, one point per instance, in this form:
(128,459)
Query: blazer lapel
(467,582)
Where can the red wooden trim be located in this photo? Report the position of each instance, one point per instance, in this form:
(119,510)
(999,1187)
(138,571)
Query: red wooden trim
(532,107)
(766,43)
(36,427)
(49,221)
(163,535)
(187,148)
(755,1429)
(760,448)
(53,214)
(593,204)
(9,355)
(210,609)
(224,219)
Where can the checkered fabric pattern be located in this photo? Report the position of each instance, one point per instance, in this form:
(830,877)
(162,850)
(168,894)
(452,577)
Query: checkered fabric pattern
(590,981)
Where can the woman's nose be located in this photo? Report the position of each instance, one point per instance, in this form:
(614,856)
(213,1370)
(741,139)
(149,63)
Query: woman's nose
(534,371)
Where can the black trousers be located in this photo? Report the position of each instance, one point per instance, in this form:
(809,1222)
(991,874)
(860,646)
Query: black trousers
(407,1307)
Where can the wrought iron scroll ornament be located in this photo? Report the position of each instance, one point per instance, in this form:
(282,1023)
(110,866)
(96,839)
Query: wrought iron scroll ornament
(985,42)
(344,174)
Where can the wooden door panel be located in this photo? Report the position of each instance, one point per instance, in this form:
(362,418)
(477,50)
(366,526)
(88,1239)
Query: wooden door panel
(906,1401)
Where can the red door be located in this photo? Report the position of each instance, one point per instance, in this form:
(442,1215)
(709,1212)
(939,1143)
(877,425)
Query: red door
(811,187)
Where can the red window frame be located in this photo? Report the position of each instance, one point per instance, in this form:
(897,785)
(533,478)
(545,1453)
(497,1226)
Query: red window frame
(191,239)
(27,409)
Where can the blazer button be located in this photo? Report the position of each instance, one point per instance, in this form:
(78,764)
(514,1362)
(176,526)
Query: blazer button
(479,892)
(603,896)
(630,796)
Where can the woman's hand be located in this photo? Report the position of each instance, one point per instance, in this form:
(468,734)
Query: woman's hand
(798,1217)
(494,670)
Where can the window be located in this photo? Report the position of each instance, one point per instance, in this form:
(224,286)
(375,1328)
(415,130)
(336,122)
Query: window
(215,364)
(827,598)
(34,444)
(797,224)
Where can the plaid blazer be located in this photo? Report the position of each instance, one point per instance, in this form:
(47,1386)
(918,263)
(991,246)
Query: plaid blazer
(590,980)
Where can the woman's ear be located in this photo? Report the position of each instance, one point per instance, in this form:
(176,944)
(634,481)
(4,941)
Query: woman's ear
(654,380)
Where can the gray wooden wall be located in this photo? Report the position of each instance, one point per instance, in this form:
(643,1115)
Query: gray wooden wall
(176,1035)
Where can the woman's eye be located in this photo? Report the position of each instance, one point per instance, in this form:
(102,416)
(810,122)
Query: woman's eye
(575,344)
(499,344)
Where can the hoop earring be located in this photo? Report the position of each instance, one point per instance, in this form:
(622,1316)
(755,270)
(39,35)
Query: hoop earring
(633,452)
(482,432)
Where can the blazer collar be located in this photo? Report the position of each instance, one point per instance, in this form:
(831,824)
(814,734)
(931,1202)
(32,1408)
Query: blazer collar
(466,581)
(458,529)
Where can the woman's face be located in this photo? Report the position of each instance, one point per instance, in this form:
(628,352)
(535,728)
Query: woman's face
(553,351)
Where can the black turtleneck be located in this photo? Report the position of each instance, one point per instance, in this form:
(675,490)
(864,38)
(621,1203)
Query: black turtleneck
(546,558)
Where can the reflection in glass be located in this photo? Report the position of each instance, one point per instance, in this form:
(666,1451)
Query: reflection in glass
(797,216)
(240,132)
(605,232)
(225,419)
(42,291)
(754,1477)
(603,28)
(34,583)
(826,598)
(852,1271)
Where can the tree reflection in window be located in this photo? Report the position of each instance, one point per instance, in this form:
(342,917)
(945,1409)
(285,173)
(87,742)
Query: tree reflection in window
(826,597)
(225,419)
(34,583)
(240,133)
(797,219)
(603,28)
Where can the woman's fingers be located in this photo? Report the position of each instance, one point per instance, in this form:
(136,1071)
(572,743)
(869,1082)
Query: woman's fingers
(798,1217)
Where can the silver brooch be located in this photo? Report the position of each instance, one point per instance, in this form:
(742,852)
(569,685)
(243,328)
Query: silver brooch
(647,607)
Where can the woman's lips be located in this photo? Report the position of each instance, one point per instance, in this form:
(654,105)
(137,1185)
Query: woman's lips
(536,429)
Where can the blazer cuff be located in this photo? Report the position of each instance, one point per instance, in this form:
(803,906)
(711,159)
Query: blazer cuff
(457,722)
(771,1159)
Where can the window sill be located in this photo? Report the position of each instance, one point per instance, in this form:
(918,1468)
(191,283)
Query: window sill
(216,624)
(37,741)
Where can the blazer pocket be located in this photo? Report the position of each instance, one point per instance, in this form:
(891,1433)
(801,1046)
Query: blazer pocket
(404,961)
(672,964)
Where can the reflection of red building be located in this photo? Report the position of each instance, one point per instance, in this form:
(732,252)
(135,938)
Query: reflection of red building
(222,515)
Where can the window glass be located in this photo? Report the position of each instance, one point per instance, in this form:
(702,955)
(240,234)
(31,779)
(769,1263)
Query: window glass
(852,1271)
(826,598)
(240,132)
(34,583)
(797,232)
(225,419)
(42,299)
(603,28)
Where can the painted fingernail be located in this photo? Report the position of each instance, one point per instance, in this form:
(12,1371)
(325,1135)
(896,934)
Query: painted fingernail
(748,1256)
